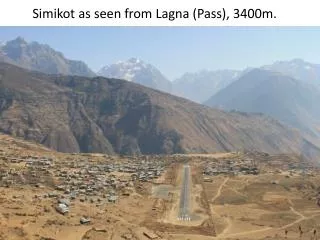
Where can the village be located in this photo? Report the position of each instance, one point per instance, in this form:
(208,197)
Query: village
(96,179)
(254,163)
(82,192)
(229,167)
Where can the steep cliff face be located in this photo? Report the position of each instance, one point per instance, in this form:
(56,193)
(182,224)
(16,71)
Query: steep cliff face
(73,114)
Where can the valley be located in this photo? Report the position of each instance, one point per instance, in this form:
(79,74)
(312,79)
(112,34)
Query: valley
(139,197)
(124,152)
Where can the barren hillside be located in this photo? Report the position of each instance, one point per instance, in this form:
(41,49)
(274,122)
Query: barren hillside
(78,114)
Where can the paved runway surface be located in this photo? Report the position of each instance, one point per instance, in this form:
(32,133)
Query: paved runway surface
(184,213)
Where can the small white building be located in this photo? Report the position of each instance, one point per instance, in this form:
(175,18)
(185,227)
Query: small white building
(62,208)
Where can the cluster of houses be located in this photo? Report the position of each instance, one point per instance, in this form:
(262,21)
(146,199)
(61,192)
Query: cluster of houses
(23,169)
(105,179)
(253,163)
(278,163)
(78,176)
(239,166)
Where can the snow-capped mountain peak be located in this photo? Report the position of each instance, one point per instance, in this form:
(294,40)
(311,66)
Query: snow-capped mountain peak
(136,70)
(126,70)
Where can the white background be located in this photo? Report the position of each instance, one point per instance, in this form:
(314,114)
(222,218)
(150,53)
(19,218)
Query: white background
(289,13)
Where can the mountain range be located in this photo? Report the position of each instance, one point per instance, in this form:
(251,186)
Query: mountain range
(196,86)
(73,114)
(63,104)
(41,57)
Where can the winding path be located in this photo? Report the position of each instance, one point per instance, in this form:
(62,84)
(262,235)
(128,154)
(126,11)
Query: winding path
(224,233)
(302,218)
(219,190)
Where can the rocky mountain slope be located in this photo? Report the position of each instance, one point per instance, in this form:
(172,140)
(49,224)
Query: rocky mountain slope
(42,58)
(137,71)
(73,114)
(277,95)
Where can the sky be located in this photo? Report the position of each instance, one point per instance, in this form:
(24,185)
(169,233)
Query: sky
(177,50)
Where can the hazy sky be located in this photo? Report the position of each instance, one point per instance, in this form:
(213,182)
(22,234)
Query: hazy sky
(176,50)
